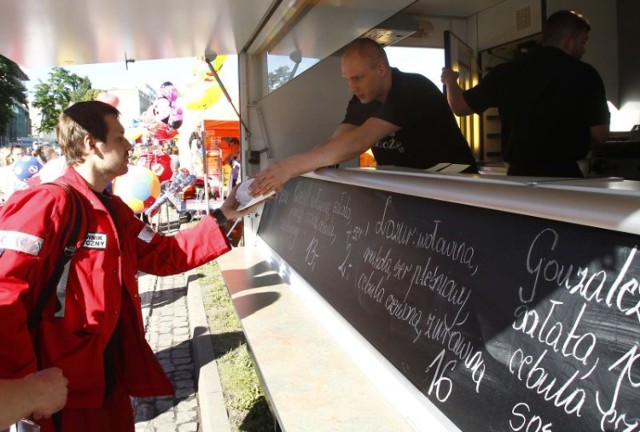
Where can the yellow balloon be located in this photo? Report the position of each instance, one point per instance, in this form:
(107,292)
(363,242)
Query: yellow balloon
(218,62)
(201,95)
(201,69)
(133,134)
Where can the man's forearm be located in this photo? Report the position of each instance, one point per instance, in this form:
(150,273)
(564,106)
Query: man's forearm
(329,153)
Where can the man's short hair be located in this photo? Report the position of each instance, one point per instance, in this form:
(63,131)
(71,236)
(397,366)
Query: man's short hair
(564,23)
(79,120)
(367,48)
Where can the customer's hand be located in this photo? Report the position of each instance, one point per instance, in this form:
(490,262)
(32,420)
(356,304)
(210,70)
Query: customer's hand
(230,206)
(49,390)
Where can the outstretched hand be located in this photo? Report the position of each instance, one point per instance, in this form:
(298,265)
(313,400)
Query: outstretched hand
(230,206)
(270,179)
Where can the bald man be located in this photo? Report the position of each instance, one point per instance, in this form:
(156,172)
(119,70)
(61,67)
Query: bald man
(403,117)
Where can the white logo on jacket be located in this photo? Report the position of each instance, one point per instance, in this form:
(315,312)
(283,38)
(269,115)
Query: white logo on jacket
(95,241)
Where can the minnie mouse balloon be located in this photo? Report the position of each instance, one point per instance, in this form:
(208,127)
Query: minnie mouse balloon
(175,118)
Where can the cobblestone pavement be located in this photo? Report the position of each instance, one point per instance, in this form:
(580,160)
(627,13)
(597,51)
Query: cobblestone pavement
(167,330)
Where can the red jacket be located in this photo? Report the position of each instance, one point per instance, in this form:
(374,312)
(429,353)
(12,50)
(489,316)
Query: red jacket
(102,289)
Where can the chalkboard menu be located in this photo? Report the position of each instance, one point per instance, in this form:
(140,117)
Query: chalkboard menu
(505,322)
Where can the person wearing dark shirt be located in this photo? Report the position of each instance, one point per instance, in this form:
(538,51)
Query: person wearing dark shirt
(402,117)
(551,104)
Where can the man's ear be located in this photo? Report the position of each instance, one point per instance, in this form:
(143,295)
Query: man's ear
(88,143)
(567,44)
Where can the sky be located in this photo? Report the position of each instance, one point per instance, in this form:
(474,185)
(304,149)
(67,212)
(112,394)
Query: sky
(106,76)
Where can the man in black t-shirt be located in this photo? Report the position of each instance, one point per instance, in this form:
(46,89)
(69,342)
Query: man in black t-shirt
(427,132)
(552,105)
(402,117)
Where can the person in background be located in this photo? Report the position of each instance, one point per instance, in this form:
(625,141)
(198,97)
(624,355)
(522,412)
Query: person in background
(37,395)
(93,328)
(174,154)
(196,144)
(16,153)
(5,156)
(403,117)
(235,171)
(551,104)
(46,153)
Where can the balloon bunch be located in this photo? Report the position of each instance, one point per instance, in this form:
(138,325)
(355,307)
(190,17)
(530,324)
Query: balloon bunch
(182,180)
(163,118)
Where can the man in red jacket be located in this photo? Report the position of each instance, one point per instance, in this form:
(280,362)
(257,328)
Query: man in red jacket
(92,330)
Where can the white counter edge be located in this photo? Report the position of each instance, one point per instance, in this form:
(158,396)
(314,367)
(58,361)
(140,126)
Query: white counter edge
(610,204)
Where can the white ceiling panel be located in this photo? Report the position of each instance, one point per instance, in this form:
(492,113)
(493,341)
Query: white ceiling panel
(43,33)
(37,33)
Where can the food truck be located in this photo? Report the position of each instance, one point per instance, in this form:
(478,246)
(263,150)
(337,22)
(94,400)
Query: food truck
(379,298)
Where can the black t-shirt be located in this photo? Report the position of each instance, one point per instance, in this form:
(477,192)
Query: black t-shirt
(548,102)
(428,132)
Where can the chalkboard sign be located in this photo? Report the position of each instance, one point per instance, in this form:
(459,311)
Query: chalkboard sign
(505,322)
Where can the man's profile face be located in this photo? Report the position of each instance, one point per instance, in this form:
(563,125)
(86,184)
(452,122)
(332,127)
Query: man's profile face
(115,150)
(363,77)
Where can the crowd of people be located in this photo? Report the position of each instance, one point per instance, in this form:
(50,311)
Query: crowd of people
(21,166)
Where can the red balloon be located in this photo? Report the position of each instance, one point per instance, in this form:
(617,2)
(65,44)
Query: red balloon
(164,133)
(159,163)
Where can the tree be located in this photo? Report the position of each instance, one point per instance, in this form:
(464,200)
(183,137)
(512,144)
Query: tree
(278,77)
(61,90)
(12,91)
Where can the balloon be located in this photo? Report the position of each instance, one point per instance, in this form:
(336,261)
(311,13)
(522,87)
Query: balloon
(108,98)
(25,167)
(138,188)
(159,163)
(132,134)
(169,91)
(164,133)
(175,117)
(201,71)
(161,109)
(202,95)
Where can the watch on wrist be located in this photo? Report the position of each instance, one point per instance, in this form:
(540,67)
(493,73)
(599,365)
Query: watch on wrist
(219,216)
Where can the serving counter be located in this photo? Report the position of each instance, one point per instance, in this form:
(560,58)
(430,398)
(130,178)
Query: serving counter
(470,302)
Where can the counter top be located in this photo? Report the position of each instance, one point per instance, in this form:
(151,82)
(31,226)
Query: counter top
(609,203)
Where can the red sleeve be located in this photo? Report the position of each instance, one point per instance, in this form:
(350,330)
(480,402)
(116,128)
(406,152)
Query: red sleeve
(28,252)
(164,255)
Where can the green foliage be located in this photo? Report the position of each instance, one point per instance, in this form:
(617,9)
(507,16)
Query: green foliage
(278,77)
(12,91)
(62,89)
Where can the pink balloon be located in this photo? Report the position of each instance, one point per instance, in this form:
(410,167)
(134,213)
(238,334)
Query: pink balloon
(108,98)
(168,90)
